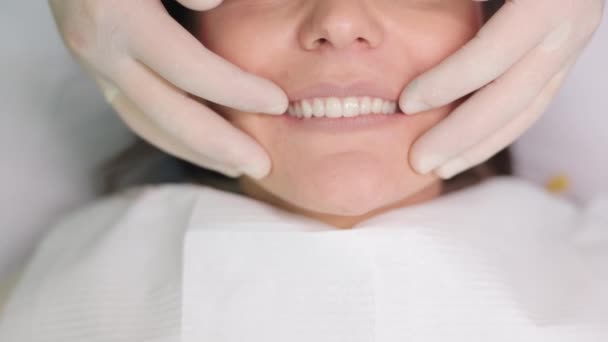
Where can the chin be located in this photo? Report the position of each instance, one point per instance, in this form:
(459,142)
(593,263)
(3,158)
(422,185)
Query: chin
(347,186)
(340,184)
(346,198)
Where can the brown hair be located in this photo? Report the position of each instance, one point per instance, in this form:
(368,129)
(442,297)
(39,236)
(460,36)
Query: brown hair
(142,163)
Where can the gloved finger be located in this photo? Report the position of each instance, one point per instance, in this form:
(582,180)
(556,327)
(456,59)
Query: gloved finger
(176,55)
(200,5)
(505,136)
(192,123)
(149,131)
(497,47)
(508,96)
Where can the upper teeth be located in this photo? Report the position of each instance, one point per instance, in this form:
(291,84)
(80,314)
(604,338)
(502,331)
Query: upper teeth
(334,107)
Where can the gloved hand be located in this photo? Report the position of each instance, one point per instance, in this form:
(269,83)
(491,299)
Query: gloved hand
(148,65)
(516,64)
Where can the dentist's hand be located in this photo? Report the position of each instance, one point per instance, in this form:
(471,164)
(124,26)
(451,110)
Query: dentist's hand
(148,65)
(516,64)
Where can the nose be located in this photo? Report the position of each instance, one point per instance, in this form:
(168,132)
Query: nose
(340,25)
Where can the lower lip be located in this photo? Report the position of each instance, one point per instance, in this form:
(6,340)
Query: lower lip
(361,122)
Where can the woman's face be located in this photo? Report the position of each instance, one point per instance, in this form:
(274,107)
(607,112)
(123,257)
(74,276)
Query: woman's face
(332,58)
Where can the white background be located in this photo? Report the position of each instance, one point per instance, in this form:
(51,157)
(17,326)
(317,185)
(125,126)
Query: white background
(55,129)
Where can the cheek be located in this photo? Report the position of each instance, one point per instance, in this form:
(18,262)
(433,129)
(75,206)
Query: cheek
(434,41)
(249,45)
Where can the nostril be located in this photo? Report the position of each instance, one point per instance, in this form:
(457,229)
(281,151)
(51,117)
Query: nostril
(362,42)
(320,43)
(324,42)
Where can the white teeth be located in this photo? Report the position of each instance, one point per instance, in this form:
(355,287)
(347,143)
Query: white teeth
(377,105)
(333,107)
(366,105)
(307,109)
(318,106)
(351,107)
(386,108)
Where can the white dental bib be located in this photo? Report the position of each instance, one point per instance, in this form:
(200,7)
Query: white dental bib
(499,262)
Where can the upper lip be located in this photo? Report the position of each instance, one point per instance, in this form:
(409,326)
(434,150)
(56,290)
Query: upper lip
(355,89)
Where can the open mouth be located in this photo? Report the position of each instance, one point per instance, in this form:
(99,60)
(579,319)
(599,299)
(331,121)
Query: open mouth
(341,107)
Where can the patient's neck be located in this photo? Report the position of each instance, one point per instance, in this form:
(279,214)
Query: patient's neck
(253,190)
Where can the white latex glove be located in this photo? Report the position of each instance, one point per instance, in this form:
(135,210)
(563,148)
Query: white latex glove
(516,64)
(148,66)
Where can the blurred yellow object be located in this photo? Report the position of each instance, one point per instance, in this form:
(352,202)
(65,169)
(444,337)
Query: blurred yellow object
(558,184)
(6,286)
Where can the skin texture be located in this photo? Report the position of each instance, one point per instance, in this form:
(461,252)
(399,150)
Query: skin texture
(338,177)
